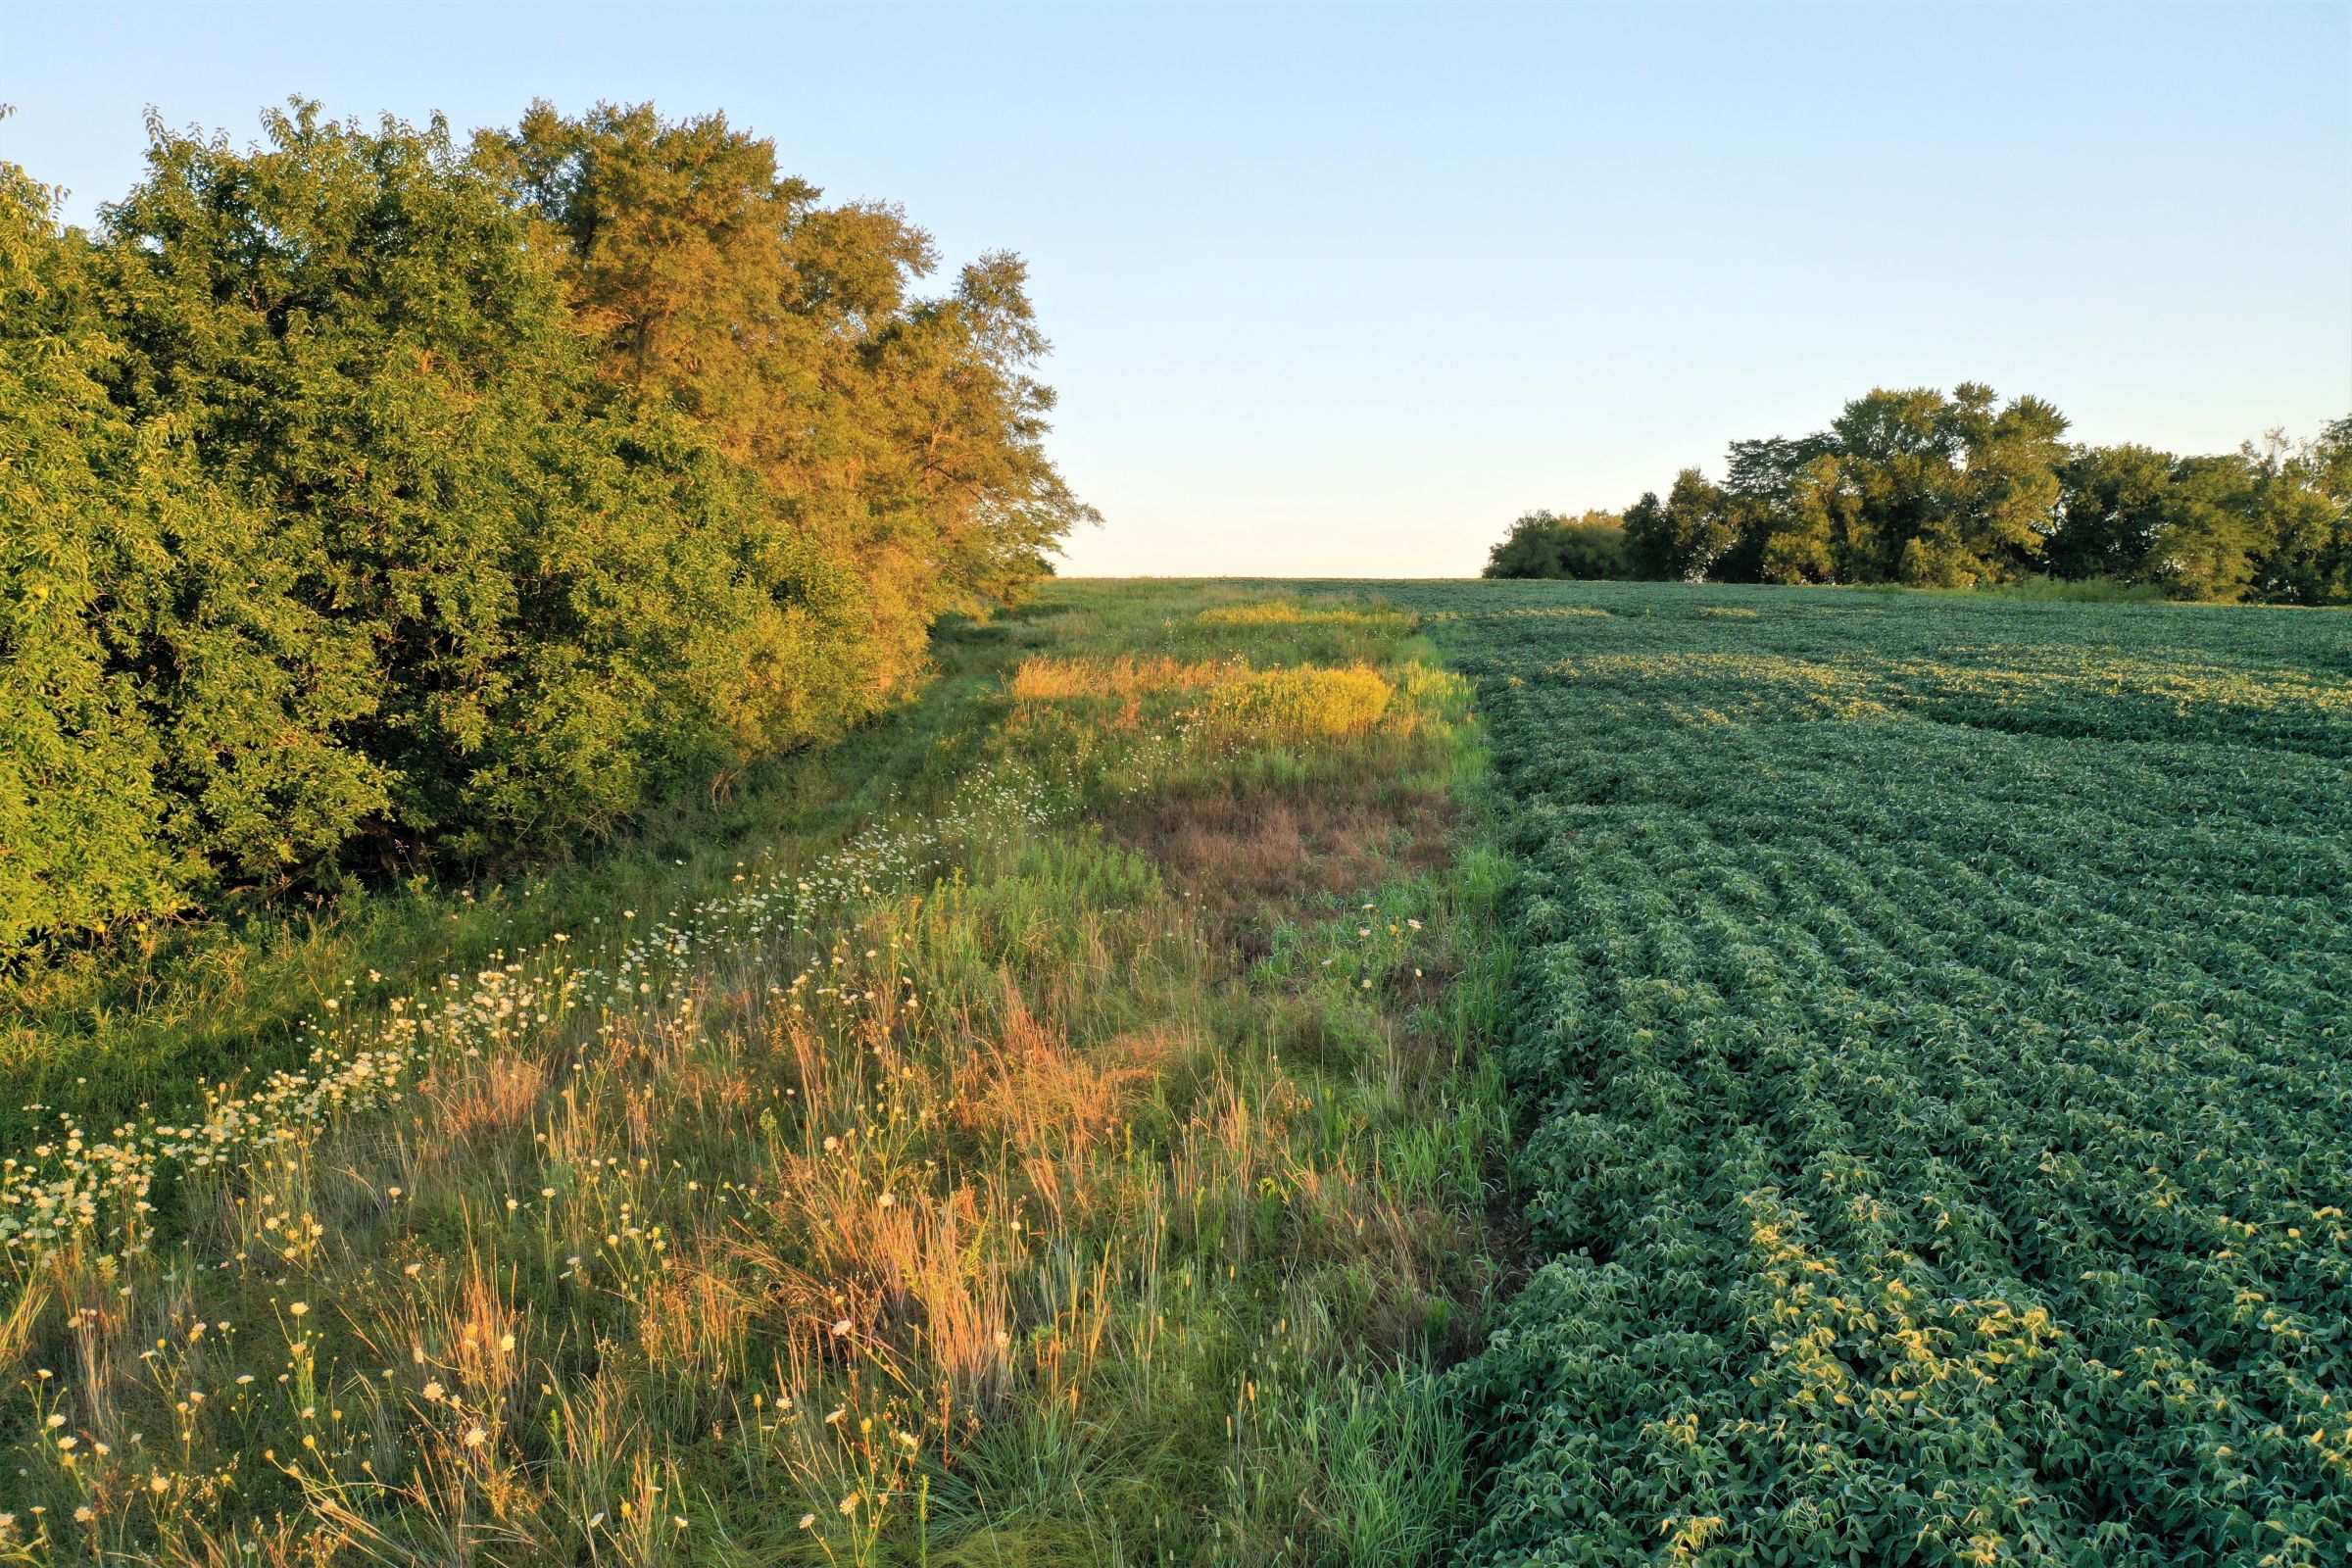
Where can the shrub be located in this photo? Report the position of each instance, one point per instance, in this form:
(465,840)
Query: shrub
(166,704)
(1045,678)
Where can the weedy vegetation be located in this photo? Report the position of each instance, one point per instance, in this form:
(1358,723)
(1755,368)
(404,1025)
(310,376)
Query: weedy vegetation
(947,1179)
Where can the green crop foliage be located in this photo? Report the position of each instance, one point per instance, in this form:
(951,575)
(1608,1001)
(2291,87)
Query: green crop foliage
(1932,1058)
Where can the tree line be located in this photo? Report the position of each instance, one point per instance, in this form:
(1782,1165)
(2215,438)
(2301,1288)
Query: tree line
(1963,490)
(375,495)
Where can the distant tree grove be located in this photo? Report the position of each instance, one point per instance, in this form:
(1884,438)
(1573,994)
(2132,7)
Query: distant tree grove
(373,496)
(1959,491)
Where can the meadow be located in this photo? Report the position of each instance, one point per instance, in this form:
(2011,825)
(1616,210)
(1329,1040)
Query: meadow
(1931,1050)
(1051,1128)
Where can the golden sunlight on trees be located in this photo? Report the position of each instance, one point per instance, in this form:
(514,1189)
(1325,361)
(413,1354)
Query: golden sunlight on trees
(1962,491)
(378,498)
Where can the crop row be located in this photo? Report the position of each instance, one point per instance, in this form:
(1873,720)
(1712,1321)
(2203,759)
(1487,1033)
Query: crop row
(1933,1057)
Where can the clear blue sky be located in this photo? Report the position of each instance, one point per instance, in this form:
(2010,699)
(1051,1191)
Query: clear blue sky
(1341,289)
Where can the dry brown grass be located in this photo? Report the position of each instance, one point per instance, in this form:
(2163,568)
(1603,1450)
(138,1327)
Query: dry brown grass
(495,1098)
(1262,855)
(1027,1089)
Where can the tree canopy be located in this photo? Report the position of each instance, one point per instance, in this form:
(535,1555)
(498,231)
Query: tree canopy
(1962,490)
(377,496)
(1542,544)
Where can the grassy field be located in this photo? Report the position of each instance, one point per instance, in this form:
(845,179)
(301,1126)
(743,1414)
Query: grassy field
(1074,1121)
(1052,1130)
(1933,1057)
(182,1004)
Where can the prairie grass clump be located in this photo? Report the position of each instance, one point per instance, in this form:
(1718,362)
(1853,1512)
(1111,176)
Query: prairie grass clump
(1288,612)
(1125,677)
(1296,704)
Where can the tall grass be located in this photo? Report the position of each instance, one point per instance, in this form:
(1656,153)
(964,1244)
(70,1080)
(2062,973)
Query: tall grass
(148,1024)
(962,1191)
(1299,703)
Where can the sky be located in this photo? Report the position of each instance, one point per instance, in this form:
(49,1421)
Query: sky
(1341,289)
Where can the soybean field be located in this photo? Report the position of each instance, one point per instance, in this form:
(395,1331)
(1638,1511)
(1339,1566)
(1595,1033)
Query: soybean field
(1932,1058)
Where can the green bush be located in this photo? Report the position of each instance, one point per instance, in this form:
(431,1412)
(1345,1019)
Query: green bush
(167,699)
(1543,544)
(343,535)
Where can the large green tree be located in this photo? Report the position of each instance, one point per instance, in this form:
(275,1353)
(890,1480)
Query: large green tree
(1942,491)
(1964,490)
(1686,534)
(2113,507)
(1545,544)
(1780,504)
(2299,499)
(1909,486)
(529,574)
(2261,522)
(170,706)
(899,433)
(372,494)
